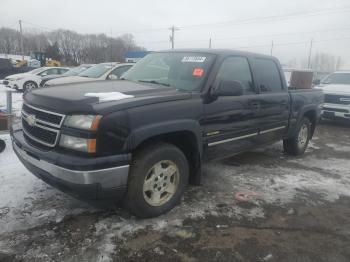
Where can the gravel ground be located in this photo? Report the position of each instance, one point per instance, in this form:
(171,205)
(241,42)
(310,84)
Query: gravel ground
(299,211)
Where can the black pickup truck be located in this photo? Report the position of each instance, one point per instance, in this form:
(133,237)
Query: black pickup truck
(144,137)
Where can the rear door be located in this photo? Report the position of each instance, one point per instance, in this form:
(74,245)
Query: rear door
(272,105)
(229,125)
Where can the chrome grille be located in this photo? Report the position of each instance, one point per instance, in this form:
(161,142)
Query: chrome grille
(337,99)
(41,125)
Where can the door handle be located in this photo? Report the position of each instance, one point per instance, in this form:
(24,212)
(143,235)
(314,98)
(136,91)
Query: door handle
(255,105)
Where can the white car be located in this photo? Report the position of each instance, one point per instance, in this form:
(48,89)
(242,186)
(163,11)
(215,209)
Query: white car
(103,71)
(29,80)
(336,88)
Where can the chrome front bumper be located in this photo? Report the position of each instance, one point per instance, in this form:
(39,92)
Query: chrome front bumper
(91,184)
(107,178)
(336,111)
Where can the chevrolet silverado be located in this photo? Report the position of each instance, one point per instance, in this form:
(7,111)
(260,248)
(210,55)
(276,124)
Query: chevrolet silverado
(141,139)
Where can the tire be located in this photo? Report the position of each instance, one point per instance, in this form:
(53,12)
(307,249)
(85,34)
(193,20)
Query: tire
(297,145)
(156,170)
(29,85)
(2,145)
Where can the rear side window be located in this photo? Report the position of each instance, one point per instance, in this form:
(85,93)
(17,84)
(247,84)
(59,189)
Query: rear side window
(52,71)
(236,68)
(268,76)
(62,70)
(119,71)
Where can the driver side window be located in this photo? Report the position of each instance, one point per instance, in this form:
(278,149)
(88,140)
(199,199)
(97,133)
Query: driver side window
(236,68)
(119,71)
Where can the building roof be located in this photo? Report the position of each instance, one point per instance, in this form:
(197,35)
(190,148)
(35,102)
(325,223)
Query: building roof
(136,54)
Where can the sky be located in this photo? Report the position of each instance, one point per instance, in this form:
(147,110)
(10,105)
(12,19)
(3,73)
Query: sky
(250,25)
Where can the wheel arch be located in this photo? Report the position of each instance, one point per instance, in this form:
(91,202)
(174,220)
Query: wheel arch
(309,112)
(185,134)
(312,116)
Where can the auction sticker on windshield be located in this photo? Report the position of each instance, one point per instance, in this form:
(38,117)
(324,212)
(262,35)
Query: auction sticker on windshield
(193,59)
(198,72)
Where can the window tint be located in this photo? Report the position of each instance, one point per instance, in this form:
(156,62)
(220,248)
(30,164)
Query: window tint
(119,71)
(268,76)
(52,71)
(236,69)
(62,70)
(337,78)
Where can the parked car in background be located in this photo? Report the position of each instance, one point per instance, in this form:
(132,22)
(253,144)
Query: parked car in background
(103,71)
(336,88)
(144,138)
(71,72)
(7,68)
(29,80)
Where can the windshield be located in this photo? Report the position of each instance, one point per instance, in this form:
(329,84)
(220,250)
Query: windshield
(184,71)
(37,71)
(337,78)
(96,71)
(75,71)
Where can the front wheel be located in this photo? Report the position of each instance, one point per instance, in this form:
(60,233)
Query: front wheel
(298,144)
(157,180)
(29,85)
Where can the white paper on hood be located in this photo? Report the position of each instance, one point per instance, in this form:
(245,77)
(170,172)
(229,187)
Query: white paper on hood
(110,96)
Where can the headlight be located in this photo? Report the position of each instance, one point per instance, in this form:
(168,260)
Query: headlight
(85,122)
(79,144)
(20,78)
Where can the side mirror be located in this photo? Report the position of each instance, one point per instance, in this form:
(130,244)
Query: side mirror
(316,82)
(112,77)
(229,88)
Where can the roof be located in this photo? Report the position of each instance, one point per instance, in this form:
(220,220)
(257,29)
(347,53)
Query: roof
(219,52)
(342,71)
(136,54)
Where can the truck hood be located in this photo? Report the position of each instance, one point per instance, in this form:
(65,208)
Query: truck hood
(68,80)
(18,76)
(335,89)
(69,99)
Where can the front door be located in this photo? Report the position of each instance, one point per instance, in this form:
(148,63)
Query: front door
(229,124)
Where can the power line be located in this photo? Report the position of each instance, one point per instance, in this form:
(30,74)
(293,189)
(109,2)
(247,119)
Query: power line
(258,36)
(294,43)
(271,18)
(292,15)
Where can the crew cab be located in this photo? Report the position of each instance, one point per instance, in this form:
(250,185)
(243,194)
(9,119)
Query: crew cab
(141,139)
(30,80)
(336,88)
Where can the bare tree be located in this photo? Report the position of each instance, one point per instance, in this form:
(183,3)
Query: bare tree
(326,62)
(74,48)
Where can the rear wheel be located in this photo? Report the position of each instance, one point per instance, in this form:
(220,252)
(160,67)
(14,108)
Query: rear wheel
(157,180)
(298,144)
(29,85)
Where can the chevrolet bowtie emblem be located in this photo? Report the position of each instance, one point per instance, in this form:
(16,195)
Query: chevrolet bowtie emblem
(31,119)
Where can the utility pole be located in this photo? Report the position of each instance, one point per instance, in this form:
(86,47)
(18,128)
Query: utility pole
(271,48)
(310,52)
(21,33)
(111,43)
(209,42)
(172,37)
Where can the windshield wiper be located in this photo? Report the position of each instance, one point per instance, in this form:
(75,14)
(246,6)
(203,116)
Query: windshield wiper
(153,82)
